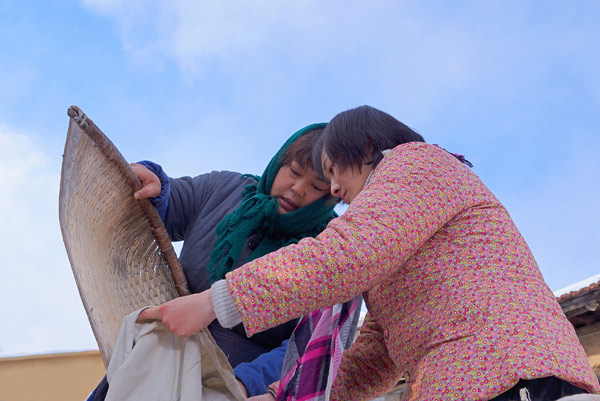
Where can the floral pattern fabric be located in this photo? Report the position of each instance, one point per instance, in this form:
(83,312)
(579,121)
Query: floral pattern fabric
(457,304)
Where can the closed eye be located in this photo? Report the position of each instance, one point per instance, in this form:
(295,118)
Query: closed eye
(320,189)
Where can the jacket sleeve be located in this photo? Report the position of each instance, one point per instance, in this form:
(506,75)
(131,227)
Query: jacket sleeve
(411,195)
(366,370)
(185,200)
(262,371)
(193,197)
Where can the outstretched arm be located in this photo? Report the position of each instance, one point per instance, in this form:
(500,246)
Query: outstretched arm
(411,196)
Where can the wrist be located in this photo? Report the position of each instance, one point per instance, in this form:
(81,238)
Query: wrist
(223,306)
(211,313)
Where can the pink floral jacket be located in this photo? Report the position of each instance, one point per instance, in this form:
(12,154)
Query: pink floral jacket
(457,304)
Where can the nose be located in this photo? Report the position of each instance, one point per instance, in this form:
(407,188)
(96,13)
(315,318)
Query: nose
(336,189)
(299,187)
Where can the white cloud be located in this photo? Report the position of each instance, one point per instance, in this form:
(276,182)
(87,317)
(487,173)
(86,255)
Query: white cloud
(281,55)
(197,34)
(41,309)
(190,29)
(404,57)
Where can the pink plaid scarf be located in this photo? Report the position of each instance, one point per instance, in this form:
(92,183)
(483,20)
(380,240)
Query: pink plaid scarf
(315,350)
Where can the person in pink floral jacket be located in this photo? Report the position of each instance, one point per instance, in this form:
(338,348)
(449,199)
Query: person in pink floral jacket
(457,305)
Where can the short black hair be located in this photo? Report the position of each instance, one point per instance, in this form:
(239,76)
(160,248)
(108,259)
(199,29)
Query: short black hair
(357,136)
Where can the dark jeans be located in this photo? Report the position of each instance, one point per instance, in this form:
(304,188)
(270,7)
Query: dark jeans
(544,389)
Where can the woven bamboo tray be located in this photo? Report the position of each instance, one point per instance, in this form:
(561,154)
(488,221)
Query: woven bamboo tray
(119,250)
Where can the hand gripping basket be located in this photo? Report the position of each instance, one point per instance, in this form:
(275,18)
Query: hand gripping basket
(119,250)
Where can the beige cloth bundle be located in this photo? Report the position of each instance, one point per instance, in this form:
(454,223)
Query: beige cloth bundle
(151,363)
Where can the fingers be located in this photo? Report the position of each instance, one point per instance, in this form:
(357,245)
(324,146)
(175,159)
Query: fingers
(185,315)
(152,313)
(138,169)
(169,317)
(148,191)
(189,314)
(150,182)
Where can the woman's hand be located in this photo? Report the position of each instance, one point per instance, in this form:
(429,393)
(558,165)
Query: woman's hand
(183,316)
(150,182)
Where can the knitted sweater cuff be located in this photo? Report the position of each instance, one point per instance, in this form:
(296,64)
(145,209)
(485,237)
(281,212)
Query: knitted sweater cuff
(227,314)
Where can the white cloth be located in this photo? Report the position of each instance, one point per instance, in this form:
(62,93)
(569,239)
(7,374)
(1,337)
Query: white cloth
(149,363)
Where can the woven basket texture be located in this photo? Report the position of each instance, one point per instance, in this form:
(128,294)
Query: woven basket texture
(119,250)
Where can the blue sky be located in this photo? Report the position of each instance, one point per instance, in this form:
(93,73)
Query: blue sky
(200,86)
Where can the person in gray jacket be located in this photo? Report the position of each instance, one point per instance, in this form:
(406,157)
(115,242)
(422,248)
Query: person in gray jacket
(227,219)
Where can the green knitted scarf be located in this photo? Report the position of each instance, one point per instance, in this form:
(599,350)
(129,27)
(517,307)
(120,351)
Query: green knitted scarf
(258,213)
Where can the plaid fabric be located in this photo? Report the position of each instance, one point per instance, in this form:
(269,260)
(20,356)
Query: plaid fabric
(315,350)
